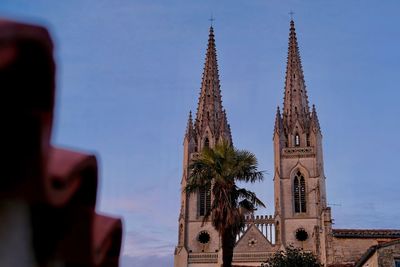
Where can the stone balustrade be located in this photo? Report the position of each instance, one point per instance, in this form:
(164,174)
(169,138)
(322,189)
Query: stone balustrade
(264,223)
(298,152)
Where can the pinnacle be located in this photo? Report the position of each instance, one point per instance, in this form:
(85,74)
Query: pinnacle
(314,118)
(189,127)
(278,120)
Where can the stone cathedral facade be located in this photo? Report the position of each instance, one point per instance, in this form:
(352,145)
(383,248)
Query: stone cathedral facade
(302,217)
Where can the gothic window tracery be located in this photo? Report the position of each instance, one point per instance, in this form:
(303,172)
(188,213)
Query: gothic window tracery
(299,193)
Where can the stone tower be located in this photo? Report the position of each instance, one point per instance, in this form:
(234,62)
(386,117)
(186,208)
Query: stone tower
(302,217)
(197,242)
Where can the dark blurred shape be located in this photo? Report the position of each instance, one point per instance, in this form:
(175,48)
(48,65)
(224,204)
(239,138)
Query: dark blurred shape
(57,186)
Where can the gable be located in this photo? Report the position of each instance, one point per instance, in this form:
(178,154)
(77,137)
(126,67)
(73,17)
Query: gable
(253,241)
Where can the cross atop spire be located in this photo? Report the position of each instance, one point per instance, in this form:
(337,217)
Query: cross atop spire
(210,111)
(212,19)
(295,105)
(291,13)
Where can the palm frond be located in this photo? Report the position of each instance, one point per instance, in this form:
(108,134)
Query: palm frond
(250,197)
(219,169)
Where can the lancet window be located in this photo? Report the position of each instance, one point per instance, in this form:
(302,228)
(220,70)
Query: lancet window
(299,192)
(204,200)
(297,140)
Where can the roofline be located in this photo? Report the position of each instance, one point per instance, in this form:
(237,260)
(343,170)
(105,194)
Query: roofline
(366,233)
(372,250)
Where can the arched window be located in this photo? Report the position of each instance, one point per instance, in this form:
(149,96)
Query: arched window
(206,142)
(308,140)
(204,200)
(297,140)
(299,193)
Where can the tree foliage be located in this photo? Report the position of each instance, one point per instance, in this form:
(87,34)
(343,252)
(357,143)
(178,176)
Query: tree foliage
(220,168)
(292,257)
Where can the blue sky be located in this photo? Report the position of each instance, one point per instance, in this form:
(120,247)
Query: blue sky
(128,72)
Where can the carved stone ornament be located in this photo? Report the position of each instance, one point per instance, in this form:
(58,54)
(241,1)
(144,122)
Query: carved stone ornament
(252,242)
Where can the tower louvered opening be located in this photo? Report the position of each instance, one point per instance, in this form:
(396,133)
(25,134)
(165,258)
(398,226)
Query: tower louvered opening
(299,193)
(204,200)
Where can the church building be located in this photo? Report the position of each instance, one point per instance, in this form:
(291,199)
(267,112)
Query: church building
(302,217)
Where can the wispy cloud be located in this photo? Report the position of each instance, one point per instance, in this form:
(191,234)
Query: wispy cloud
(144,244)
(356,214)
(149,233)
(135,202)
(162,261)
(121,204)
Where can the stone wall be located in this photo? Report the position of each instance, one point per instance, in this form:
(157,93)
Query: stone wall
(350,250)
(386,255)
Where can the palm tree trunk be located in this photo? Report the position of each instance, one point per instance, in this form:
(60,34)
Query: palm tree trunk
(228,243)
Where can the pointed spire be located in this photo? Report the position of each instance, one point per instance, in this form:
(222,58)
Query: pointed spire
(278,121)
(189,128)
(314,119)
(295,105)
(209,110)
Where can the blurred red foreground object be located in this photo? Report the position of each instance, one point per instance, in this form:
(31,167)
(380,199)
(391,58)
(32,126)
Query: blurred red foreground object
(47,194)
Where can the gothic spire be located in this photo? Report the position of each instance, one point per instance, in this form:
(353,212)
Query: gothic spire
(278,121)
(189,128)
(315,120)
(295,105)
(210,111)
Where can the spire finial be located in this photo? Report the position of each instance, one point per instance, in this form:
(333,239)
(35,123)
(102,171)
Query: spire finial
(291,13)
(211,19)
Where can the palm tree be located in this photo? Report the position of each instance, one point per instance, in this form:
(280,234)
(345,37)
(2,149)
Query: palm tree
(219,169)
